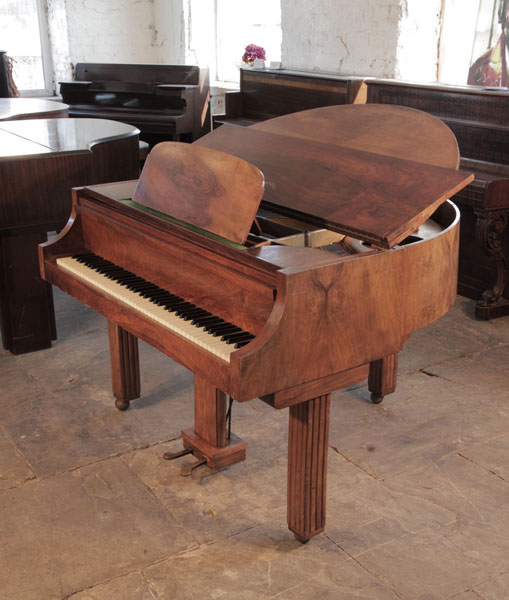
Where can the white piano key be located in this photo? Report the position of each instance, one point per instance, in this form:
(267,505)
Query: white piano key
(193,333)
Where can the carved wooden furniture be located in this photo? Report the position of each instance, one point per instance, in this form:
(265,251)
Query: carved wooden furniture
(12,109)
(288,312)
(40,161)
(480,120)
(265,94)
(163,101)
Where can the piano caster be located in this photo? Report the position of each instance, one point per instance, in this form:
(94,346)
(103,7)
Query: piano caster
(122,404)
(382,377)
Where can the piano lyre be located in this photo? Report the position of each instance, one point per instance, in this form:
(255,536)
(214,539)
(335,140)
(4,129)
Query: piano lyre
(251,305)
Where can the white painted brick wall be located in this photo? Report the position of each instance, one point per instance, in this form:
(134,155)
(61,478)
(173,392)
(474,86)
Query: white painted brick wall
(381,38)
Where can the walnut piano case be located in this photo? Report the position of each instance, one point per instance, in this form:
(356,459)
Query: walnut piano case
(300,321)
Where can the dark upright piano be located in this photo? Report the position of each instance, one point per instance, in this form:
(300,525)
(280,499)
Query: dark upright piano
(163,101)
(40,161)
(480,120)
(265,94)
(354,248)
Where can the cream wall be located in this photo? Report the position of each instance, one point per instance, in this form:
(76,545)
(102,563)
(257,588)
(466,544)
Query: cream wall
(135,31)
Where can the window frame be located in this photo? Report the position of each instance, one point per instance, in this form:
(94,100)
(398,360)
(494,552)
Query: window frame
(47,64)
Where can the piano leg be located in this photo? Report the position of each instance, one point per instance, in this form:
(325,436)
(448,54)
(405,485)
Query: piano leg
(125,365)
(382,377)
(307,466)
(208,440)
(490,227)
(26,301)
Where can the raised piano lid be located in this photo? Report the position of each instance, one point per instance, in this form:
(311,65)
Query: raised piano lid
(377,183)
(217,192)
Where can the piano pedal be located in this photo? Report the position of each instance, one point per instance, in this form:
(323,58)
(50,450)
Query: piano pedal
(174,455)
(188,469)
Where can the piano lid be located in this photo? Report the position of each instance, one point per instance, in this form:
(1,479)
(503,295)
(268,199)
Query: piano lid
(373,194)
(206,188)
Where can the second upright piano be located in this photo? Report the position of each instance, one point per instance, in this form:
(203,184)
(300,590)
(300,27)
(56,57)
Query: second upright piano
(162,101)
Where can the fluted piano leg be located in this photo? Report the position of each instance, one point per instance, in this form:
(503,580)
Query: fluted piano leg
(307,466)
(125,365)
(208,440)
(382,377)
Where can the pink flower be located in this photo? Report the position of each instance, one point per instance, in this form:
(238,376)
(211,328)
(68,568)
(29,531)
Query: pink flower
(253,51)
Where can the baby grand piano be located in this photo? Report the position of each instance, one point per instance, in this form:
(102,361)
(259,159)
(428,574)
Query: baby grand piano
(255,304)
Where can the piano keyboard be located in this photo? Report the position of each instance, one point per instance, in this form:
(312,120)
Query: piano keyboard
(199,326)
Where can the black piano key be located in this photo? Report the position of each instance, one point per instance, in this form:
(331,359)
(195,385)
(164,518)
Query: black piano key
(137,285)
(158,295)
(226,336)
(165,299)
(189,307)
(85,257)
(141,285)
(240,344)
(206,321)
(149,294)
(232,334)
(218,327)
(126,279)
(100,264)
(227,331)
(230,338)
(195,310)
(82,257)
(147,289)
(172,299)
(175,305)
(201,313)
(114,273)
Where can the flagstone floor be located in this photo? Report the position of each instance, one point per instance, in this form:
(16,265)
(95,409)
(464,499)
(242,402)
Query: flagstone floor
(418,486)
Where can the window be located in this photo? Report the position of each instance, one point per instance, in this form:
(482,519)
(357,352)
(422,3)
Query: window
(243,23)
(23,31)
(227,27)
(470,28)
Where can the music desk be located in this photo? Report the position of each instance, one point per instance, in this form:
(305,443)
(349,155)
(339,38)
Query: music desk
(31,108)
(40,161)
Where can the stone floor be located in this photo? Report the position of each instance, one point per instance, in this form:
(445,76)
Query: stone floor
(418,494)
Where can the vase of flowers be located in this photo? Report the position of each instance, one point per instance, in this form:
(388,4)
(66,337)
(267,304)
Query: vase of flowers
(252,52)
